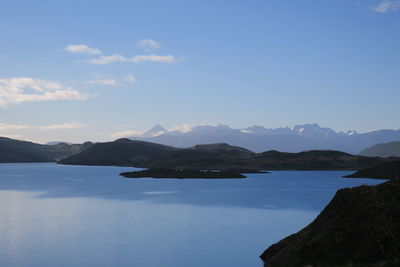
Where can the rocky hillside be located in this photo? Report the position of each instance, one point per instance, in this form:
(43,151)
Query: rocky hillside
(359,227)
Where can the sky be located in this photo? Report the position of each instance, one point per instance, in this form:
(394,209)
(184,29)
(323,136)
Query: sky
(89,70)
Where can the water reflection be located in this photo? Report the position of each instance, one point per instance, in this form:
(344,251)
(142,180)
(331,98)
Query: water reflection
(54,215)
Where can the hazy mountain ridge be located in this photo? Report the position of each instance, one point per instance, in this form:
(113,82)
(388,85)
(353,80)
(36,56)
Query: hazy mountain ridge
(390,149)
(259,139)
(22,151)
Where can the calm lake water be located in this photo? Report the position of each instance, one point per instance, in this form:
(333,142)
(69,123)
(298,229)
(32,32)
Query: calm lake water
(55,215)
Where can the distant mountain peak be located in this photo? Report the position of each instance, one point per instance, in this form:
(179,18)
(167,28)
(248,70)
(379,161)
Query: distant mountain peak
(155,131)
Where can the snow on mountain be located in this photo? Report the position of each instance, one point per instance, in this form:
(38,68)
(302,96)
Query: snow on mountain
(258,138)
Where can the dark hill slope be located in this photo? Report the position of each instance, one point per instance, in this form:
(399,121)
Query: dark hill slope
(391,149)
(359,227)
(386,170)
(212,156)
(122,152)
(21,151)
(312,160)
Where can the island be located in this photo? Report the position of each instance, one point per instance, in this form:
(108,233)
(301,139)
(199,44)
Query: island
(183,174)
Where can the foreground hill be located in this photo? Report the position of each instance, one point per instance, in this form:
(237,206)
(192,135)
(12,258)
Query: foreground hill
(385,170)
(359,227)
(391,149)
(21,151)
(122,152)
(125,152)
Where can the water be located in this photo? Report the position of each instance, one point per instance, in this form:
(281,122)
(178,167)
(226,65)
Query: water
(55,215)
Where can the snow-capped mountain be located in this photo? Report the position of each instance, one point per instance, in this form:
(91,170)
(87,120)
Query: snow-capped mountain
(258,138)
(155,131)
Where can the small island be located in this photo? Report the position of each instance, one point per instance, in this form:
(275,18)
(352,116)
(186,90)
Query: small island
(183,174)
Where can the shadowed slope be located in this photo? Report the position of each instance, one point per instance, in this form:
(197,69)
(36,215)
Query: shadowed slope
(359,227)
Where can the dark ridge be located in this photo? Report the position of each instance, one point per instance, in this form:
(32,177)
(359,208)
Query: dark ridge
(13,151)
(359,227)
(122,152)
(221,156)
(386,170)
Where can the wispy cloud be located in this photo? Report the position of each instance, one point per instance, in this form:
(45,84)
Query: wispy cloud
(71,125)
(24,89)
(82,49)
(125,134)
(386,6)
(129,78)
(12,127)
(148,44)
(110,82)
(136,59)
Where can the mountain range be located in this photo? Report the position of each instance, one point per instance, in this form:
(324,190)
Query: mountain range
(258,138)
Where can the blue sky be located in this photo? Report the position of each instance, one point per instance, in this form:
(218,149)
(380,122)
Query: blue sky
(87,70)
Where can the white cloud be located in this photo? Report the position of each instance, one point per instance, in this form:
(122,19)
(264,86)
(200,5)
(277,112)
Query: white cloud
(71,125)
(136,59)
(129,78)
(110,82)
(12,127)
(107,59)
(386,6)
(125,134)
(82,49)
(24,89)
(148,44)
(184,128)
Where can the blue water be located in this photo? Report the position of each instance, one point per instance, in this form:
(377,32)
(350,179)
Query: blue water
(55,215)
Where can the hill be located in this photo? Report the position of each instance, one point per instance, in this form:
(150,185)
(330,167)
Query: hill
(122,152)
(125,152)
(359,227)
(385,150)
(22,151)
